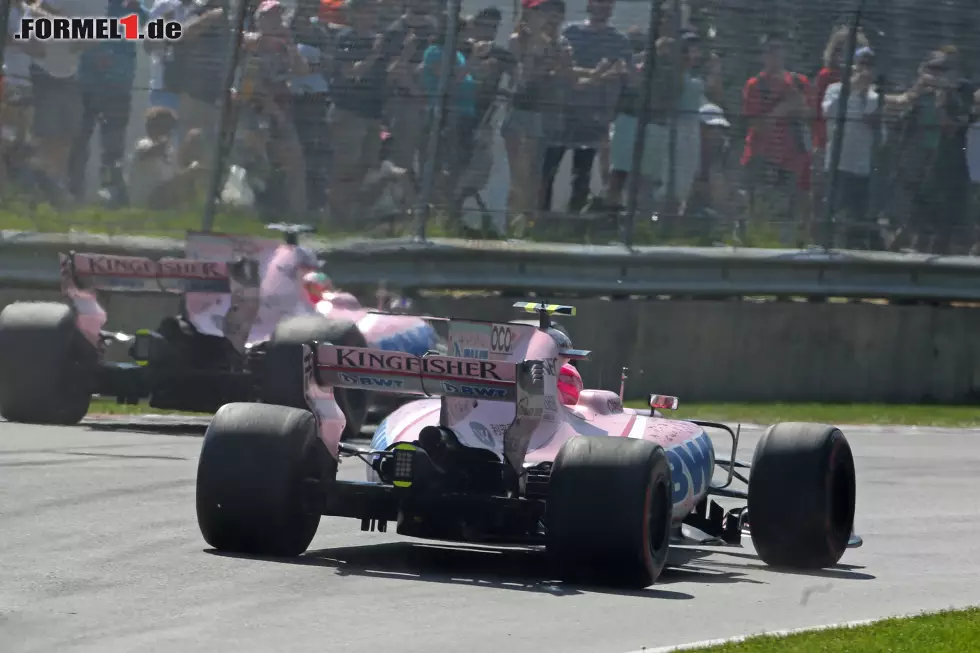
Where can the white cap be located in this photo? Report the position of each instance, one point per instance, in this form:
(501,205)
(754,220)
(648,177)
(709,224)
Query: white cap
(713,116)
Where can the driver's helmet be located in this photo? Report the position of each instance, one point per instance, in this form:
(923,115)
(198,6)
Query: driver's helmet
(315,284)
(569,384)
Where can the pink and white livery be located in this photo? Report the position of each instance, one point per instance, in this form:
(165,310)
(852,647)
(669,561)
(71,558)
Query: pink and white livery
(493,452)
(245,303)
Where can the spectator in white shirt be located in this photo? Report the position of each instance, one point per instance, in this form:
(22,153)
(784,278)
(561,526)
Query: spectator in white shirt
(852,191)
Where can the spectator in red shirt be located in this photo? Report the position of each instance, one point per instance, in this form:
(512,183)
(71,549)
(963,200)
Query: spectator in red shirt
(778,105)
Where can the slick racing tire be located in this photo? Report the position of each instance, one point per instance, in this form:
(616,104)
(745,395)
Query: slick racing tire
(48,370)
(802,492)
(258,478)
(282,376)
(609,511)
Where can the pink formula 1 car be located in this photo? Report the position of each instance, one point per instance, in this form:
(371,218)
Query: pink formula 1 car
(496,452)
(246,310)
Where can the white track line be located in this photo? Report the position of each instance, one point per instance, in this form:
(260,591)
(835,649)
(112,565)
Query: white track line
(776,633)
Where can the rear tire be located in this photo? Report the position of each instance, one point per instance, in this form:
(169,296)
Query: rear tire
(48,371)
(254,477)
(282,376)
(802,494)
(609,511)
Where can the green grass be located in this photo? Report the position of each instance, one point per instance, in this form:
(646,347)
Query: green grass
(128,221)
(18,215)
(899,414)
(102,406)
(944,632)
(769,413)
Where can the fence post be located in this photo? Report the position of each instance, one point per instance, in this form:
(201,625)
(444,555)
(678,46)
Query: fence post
(677,84)
(839,120)
(225,134)
(5,26)
(447,64)
(642,120)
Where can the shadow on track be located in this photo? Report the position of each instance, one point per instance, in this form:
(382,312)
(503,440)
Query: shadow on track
(838,572)
(518,569)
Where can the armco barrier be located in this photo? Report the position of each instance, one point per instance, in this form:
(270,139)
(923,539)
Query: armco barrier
(699,350)
(30,260)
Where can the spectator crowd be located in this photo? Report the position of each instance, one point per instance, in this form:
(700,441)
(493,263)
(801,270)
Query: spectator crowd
(333,107)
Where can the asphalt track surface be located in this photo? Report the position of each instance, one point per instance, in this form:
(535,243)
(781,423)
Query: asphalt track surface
(101,552)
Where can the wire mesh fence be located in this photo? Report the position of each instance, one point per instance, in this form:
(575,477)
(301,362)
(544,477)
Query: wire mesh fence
(843,124)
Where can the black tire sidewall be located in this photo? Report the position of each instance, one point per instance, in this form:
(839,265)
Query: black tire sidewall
(802,491)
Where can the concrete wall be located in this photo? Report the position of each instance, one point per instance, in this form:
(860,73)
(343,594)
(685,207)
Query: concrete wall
(726,351)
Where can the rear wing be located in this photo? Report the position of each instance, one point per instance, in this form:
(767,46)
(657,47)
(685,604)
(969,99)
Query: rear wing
(82,274)
(522,384)
(427,376)
(113,273)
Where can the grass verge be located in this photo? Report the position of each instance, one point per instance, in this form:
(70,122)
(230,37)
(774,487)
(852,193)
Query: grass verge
(17,214)
(101,406)
(943,632)
(770,413)
(898,414)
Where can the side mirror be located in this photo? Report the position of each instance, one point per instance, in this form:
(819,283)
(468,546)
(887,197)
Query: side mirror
(663,402)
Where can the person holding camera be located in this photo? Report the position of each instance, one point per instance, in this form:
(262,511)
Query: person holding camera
(932,118)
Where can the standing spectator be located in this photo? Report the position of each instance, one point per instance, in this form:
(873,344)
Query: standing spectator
(197,71)
(852,190)
(778,106)
(952,171)
(488,71)
(542,61)
(57,100)
(279,61)
(106,74)
(973,162)
(687,147)
(161,53)
(403,45)
(597,48)
(830,73)
(625,123)
(460,109)
(16,101)
(316,40)
(931,176)
(358,107)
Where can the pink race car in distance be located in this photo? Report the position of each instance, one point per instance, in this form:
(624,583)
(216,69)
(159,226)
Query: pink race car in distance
(494,452)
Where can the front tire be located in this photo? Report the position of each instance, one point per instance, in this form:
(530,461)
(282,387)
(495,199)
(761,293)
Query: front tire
(257,476)
(609,511)
(802,495)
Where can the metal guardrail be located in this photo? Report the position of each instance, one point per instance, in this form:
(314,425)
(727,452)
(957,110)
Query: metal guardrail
(29,260)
